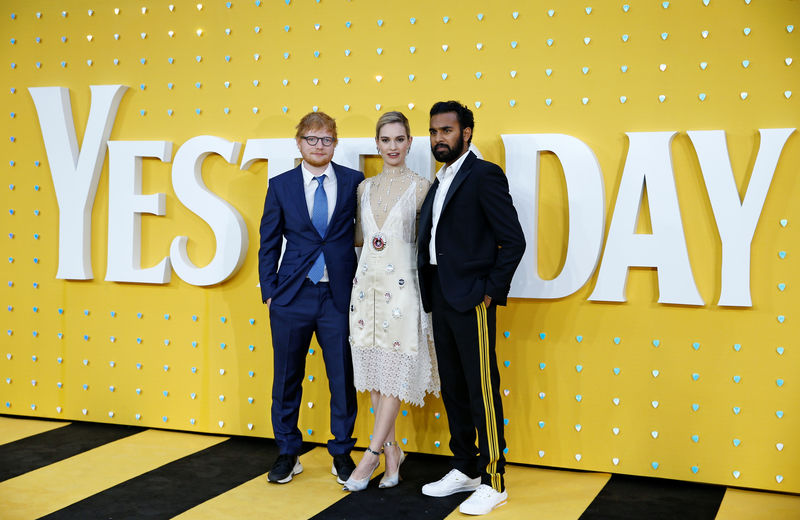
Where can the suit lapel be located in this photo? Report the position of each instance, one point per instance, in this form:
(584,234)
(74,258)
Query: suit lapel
(342,184)
(297,194)
(461,175)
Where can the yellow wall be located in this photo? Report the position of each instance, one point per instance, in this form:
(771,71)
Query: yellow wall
(735,449)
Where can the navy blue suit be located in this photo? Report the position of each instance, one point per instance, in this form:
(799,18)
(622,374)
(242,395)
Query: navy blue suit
(300,308)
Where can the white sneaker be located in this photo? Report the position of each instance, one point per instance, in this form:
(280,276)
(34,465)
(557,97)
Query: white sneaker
(483,500)
(453,482)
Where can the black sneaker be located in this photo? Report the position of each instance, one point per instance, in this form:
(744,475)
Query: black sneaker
(342,467)
(285,467)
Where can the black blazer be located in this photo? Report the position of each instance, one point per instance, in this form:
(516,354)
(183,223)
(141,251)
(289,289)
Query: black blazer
(479,241)
(286,216)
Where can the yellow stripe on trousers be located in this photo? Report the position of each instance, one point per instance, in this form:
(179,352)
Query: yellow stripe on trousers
(488,401)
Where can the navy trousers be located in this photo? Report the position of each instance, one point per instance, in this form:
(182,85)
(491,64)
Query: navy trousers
(311,312)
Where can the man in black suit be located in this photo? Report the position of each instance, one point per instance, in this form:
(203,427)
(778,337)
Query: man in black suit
(470,243)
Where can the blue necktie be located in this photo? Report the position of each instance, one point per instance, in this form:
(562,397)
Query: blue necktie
(319,217)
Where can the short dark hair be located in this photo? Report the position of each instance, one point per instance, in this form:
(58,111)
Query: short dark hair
(464,114)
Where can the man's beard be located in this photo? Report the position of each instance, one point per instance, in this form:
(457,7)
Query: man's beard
(450,154)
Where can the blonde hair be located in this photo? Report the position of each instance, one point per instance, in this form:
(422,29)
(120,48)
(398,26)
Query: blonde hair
(389,118)
(316,120)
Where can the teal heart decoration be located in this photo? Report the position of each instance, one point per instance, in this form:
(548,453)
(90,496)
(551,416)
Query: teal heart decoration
(695,469)
(587,40)
(507,363)
(625,38)
(784,222)
(746,31)
(617,340)
(541,424)
(736,442)
(737,347)
(548,101)
(542,365)
(578,338)
(736,410)
(579,398)
(514,44)
(781,318)
(310,431)
(779,414)
(624,68)
(515,15)
(695,438)
(695,376)
(506,334)
(696,346)
(782,254)
(615,401)
(579,368)
(226,110)
(446,19)
(616,371)
(702,96)
(512,102)
(789,28)
(347,108)
(737,379)
(654,404)
(505,421)
(478,75)
(194,344)
(316,54)
(779,350)
(654,465)
(655,373)
(549,42)
(548,71)
(550,12)
(626,7)
(779,382)
(412,49)
(542,395)
(411,77)
(405,413)
(665,4)
(664,36)
(695,407)
(197,111)
(227,59)
(480,17)
(585,70)
(656,343)
(578,427)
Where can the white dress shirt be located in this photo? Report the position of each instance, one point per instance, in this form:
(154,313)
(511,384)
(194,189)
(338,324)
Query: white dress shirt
(310,187)
(445,176)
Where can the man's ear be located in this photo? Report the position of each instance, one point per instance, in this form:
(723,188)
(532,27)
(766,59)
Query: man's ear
(467,134)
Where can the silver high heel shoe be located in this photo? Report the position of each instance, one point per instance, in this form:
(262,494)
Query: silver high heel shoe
(360,485)
(387,480)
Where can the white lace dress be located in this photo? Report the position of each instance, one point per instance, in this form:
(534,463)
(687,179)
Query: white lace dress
(390,334)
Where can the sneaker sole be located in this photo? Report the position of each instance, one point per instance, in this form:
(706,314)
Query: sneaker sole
(296,470)
(440,494)
(483,512)
(338,479)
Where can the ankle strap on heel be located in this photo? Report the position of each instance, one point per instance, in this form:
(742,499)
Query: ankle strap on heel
(378,453)
(389,444)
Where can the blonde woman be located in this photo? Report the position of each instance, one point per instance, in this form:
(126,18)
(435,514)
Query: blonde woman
(390,335)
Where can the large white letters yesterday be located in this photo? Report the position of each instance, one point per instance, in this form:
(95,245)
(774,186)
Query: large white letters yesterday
(737,220)
(75,174)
